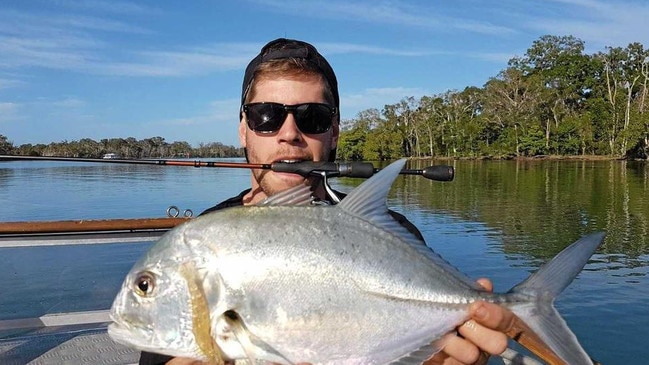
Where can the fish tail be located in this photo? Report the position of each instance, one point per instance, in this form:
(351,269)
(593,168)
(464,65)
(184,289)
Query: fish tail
(541,317)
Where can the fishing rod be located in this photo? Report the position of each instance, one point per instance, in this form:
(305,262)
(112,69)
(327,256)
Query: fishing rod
(303,168)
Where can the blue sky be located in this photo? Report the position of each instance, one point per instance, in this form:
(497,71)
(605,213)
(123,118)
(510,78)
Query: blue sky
(71,69)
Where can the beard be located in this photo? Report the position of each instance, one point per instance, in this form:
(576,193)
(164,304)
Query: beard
(272,182)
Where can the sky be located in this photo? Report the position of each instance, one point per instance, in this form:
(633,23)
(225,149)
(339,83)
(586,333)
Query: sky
(73,69)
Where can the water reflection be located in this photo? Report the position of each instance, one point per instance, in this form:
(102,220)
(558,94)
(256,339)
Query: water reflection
(541,206)
(536,208)
(62,190)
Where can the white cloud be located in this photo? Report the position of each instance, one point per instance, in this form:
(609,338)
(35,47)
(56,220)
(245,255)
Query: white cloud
(399,13)
(351,105)
(52,24)
(500,58)
(167,63)
(345,48)
(117,7)
(68,103)
(217,122)
(10,83)
(597,23)
(8,112)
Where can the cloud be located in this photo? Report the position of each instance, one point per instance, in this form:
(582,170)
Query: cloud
(68,108)
(597,23)
(346,48)
(173,63)
(500,58)
(399,13)
(10,83)
(218,121)
(117,7)
(62,42)
(54,24)
(68,103)
(82,44)
(8,112)
(351,105)
(77,44)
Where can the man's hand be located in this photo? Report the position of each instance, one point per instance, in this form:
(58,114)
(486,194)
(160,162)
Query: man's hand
(479,337)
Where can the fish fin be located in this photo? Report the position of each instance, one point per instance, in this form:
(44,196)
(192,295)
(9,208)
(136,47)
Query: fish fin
(440,261)
(420,354)
(559,272)
(369,202)
(250,343)
(297,195)
(545,284)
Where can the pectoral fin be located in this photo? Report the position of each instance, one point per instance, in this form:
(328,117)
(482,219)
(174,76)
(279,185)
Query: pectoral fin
(252,347)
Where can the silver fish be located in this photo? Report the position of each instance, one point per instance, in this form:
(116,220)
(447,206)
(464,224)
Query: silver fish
(320,284)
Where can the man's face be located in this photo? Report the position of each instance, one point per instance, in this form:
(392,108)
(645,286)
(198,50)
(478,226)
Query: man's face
(288,143)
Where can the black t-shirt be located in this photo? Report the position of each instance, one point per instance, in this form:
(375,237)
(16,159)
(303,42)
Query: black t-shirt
(147,358)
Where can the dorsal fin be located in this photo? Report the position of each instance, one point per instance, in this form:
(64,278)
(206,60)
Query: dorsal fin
(369,202)
(297,195)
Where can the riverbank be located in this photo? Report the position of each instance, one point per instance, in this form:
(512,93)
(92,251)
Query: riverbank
(532,158)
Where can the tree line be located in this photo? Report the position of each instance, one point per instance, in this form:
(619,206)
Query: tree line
(155,147)
(554,100)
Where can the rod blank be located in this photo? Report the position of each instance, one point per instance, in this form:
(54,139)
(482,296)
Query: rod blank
(304,168)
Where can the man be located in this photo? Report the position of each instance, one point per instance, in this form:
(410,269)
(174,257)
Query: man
(289,112)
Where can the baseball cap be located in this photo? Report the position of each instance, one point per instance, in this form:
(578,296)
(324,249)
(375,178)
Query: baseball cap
(282,48)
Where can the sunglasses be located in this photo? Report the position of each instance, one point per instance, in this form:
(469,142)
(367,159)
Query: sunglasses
(310,118)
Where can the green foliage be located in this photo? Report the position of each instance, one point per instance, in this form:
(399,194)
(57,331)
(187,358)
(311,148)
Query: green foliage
(352,141)
(533,142)
(553,100)
(155,147)
(6,147)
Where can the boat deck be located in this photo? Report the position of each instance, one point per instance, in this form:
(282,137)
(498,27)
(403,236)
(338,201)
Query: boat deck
(81,344)
(72,337)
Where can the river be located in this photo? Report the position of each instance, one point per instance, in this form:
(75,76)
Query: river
(497,219)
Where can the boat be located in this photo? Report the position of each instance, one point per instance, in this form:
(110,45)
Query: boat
(72,337)
(110,156)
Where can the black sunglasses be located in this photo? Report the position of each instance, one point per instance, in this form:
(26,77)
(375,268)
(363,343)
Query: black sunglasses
(310,118)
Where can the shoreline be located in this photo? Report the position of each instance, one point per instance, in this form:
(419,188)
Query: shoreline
(534,158)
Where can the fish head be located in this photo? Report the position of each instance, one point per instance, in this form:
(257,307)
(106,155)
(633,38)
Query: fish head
(154,310)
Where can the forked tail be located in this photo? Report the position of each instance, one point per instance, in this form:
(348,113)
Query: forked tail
(545,285)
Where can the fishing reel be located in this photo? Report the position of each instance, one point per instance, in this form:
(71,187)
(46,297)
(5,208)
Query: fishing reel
(326,170)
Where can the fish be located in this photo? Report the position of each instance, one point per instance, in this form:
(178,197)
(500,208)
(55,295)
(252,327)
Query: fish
(286,282)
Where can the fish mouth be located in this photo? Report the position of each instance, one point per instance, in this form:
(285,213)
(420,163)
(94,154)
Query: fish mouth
(131,336)
(119,333)
(127,332)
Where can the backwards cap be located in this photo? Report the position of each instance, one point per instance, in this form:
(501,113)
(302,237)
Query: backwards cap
(283,48)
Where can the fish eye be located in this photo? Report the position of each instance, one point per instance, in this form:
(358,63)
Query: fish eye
(144,284)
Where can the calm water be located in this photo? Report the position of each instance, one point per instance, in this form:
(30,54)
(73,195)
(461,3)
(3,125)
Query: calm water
(497,219)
